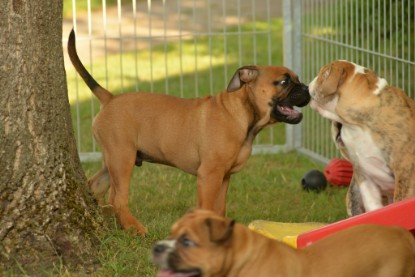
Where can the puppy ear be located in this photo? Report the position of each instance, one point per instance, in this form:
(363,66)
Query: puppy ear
(242,76)
(220,229)
(332,78)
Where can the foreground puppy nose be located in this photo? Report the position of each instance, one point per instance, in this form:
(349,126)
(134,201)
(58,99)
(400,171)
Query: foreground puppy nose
(305,88)
(159,249)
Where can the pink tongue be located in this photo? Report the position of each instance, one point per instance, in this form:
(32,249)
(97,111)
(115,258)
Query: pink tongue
(288,111)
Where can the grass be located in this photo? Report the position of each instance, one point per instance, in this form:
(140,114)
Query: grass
(267,188)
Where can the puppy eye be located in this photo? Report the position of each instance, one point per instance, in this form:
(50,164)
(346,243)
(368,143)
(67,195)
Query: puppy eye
(284,82)
(186,242)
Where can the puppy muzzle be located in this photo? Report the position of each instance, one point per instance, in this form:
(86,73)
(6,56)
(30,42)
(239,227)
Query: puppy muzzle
(161,252)
(283,110)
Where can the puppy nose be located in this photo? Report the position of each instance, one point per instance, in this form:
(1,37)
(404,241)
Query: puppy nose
(159,249)
(305,88)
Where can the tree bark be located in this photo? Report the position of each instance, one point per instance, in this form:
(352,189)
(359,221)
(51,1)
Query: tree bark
(47,217)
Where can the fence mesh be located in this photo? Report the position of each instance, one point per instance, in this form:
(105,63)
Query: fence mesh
(186,48)
(378,34)
(191,48)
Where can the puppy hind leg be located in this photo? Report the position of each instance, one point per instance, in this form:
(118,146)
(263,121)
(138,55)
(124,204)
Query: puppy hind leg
(99,185)
(120,170)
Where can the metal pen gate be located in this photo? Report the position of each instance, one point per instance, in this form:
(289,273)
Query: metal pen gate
(186,48)
(191,48)
(377,34)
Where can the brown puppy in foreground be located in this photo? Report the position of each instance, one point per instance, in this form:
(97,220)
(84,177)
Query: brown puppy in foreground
(209,137)
(207,245)
(373,125)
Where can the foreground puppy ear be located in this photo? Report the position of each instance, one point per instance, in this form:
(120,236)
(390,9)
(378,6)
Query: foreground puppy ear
(220,229)
(242,76)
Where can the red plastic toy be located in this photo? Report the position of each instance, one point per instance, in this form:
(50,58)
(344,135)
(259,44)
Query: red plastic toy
(400,213)
(339,172)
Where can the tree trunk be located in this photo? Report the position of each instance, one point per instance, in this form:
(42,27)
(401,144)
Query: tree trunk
(47,217)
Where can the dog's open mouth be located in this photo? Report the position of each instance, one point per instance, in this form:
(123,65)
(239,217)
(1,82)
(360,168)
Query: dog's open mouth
(284,112)
(171,273)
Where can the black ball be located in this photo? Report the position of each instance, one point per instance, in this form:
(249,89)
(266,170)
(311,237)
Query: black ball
(314,180)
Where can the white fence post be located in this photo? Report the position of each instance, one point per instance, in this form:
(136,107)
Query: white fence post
(292,58)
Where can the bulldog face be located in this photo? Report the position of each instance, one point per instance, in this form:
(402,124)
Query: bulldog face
(324,89)
(275,91)
(196,246)
(345,81)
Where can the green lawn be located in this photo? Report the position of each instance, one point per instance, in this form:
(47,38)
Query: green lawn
(268,188)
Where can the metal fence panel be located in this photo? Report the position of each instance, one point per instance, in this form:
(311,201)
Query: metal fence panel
(190,48)
(378,34)
(187,48)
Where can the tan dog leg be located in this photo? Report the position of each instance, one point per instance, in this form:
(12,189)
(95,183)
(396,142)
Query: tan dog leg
(120,167)
(99,185)
(212,187)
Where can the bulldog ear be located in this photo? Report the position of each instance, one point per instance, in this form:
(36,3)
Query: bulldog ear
(242,76)
(333,77)
(220,229)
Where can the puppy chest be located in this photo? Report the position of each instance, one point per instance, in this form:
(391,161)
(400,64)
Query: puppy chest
(366,154)
(241,158)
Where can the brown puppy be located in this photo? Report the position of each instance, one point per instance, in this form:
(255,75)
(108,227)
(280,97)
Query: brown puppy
(206,245)
(373,125)
(209,137)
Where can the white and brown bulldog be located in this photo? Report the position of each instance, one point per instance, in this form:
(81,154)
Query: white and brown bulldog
(208,137)
(373,125)
(203,244)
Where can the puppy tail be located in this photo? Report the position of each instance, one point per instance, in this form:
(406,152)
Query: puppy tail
(103,95)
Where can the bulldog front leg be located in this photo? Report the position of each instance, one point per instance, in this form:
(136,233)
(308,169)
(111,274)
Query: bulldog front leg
(212,186)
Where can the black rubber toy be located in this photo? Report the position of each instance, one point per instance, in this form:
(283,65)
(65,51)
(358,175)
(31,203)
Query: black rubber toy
(314,180)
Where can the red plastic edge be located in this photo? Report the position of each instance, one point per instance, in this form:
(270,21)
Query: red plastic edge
(400,213)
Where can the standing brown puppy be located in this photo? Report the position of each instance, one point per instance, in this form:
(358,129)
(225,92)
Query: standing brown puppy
(203,244)
(209,137)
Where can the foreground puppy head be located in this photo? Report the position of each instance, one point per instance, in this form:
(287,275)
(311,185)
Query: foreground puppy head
(281,90)
(195,245)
